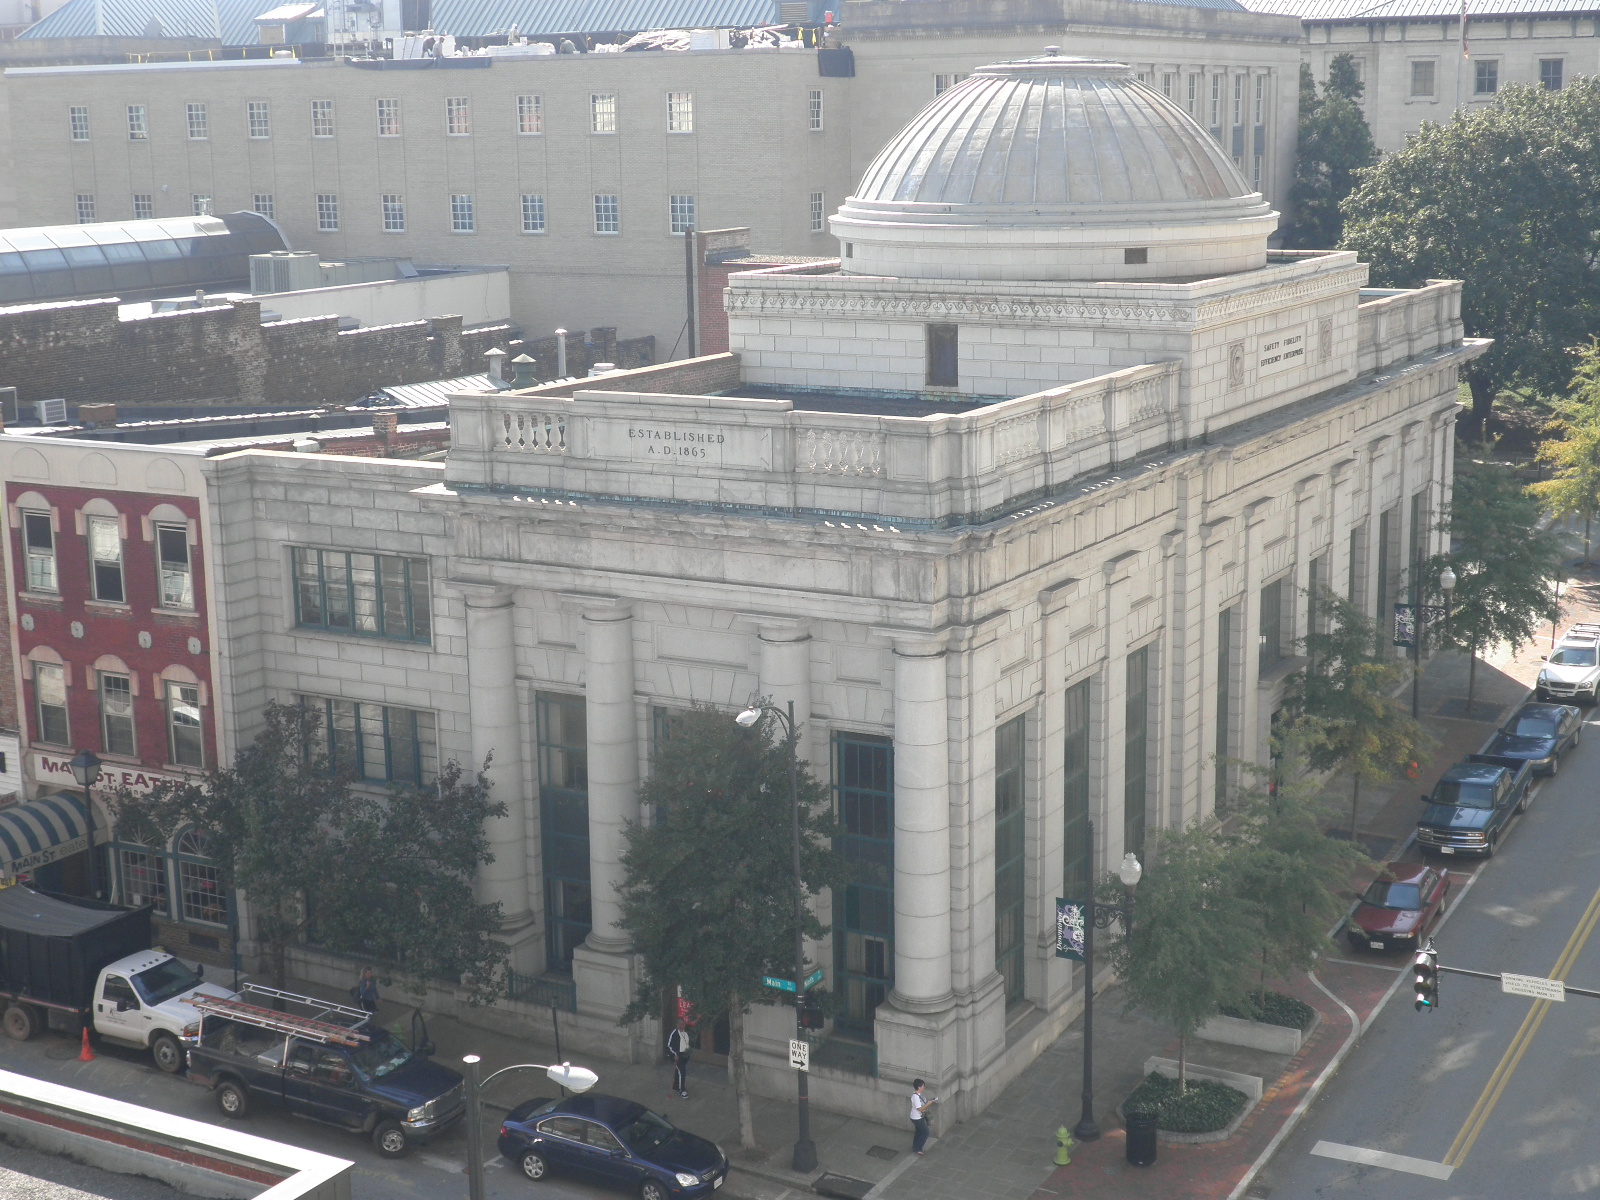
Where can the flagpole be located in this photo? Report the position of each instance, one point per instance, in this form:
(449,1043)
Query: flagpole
(1461,65)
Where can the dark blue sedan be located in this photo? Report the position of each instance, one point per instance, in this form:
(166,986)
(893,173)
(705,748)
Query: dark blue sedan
(1540,734)
(613,1142)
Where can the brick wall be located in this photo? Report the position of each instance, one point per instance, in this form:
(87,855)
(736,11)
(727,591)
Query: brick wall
(405,442)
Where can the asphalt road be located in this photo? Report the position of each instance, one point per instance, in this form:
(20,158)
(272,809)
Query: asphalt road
(1494,1092)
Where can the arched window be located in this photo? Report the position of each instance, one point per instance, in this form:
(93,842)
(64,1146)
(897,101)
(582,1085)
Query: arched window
(200,892)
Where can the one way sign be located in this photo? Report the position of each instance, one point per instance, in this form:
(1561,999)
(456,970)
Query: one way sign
(799,1054)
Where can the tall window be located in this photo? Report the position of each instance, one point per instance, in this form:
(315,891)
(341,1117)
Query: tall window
(85,202)
(1485,77)
(116,714)
(564,824)
(258,118)
(680,112)
(1136,743)
(185,742)
(1270,642)
(530,114)
(262,203)
(39,532)
(681,213)
(143,875)
(1422,77)
(602,112)
(1261,98)
(50,702)
(322,118)
(1075,810)
(376,741)
(814,110)
(1551,72)
(200,204)
(1238,99)
(863,914)
(1194,95)
(1415,542)
(1222,748)
(943,83)
(1389,567)
(1356,586)
(463,218)
(1010,746)
(1216,101)
(327,212)
(944,355)
(388,118)
(818,212)
(199,881)
(78,122)
(394,212)
(105,559)
(607,217)
(144,206)
(176,571)
(138,123)
(457,116)
(532,213)
(199,123)
(372,594)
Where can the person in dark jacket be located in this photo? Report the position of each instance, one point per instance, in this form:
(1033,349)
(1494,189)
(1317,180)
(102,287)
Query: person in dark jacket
(367,990)
(678,1047)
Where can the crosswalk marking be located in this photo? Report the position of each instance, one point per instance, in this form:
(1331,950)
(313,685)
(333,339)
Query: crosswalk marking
(1382,1158)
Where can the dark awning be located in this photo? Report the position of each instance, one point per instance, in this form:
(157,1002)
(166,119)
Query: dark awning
(42,831)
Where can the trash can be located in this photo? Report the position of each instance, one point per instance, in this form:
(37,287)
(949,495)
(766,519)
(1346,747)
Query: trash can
(1141,1137)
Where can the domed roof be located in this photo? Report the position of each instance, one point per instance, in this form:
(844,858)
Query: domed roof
(1070,144)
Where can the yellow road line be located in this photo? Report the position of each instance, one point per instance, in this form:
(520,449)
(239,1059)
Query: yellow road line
(1484,1108)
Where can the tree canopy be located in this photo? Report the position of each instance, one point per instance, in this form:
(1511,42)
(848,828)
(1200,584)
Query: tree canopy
(1334,144)
(1507,199)
(1574,451)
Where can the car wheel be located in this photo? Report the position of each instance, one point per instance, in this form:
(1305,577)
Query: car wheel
(1555,763)
(21,1022)
(651,1189)
(232,1099)
(391,1140)
(167,1053)
(1494,844)
(534,1165)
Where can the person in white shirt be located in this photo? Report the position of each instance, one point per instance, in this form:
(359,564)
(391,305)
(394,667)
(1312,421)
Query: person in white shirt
(920,1105)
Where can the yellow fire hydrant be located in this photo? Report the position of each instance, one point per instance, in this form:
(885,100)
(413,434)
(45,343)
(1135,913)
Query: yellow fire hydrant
(1064,1145)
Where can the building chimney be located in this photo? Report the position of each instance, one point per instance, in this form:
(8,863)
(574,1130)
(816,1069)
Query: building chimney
(497,366)
(561,354)
(524,367)
(307,446)
(384,425)
(97,415)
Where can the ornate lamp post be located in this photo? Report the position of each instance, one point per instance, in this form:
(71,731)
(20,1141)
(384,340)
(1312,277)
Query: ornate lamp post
(805,1150)
(575,1079)
(85,767)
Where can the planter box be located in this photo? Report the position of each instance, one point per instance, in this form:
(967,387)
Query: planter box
(1258,1035)
(1250,1085)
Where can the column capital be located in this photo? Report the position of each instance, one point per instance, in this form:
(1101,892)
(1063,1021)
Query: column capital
(917,643)
(483,593)
(593,606)
(774,628)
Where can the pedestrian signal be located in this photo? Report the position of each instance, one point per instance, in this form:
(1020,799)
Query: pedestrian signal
(1425,978)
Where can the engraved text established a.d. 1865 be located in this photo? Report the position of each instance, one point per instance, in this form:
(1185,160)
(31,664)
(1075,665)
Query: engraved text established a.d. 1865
(654,442)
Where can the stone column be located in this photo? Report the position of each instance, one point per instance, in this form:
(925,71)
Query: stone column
(921,828)
(786,671)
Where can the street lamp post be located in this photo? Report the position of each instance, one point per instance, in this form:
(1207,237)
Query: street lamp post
(85,767)
(805,1150)
(1447,585)
(578,1079)
(1099,916)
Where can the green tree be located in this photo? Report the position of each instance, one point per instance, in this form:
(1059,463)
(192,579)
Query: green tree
(384,874)
(1335,144)
(1343,706)
(1507,199)
(709,890)
(1505,564)
(1574,490)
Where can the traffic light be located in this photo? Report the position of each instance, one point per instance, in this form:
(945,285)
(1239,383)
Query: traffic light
(1425,978)
(811,1016)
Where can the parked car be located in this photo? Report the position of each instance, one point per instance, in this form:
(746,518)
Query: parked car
(1473,803)
(613,1142)
(1398,907)
(1572,670)
(1541,734)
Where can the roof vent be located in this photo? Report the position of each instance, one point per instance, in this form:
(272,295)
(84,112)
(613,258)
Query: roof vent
(51,412)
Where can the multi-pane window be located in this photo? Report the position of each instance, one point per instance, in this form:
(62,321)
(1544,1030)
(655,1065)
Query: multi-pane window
(376,741)
(863,915)
(327,212)
(144,206)
(680,112)
(532,213)
(1168,82)
(199,881)
(78,122)
(462,217)
(1551,74)
(564,824)
(814,110)
(116,714)
(457,116)
(1261,98)
(1194,94)
(50,701)
(176,569)
(185,742)
(1486,77)
(607,215)
(1075,826)
(258,114)
(388,118)
(1136,746)
(1269,642)
(1222,747)
(943,83)
(322,118)
(38,529)
(818,212)
(85,205)
(262,203)
(138,123)
(1010,828)
(1216,101)
(1423,81)
(144,878)
(200,204)
(374,594)
(681,213)
(530,114)
(394,212)
(602,112)
(1238,99)
(199,122)
(105,559)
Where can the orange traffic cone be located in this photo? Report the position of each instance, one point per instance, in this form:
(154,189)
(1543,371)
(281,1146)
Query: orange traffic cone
(86,1054)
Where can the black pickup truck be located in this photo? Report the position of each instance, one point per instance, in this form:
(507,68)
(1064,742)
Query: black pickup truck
(1472,804)
(323,1061)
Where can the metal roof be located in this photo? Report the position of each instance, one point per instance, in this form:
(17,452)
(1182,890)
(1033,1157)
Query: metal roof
(436,392)
(481,18)
(1419,10)
(230,21)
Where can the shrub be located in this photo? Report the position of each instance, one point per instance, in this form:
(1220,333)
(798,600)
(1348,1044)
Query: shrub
(1274,1008)
(1206,1107)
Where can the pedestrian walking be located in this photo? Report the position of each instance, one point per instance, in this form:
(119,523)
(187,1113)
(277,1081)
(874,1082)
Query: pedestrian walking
(920,1105)
(678,1047)
(367,990)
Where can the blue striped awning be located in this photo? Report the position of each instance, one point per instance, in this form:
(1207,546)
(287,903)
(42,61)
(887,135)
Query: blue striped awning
(41,832)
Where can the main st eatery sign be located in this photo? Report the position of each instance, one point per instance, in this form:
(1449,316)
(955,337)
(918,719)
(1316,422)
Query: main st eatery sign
(54,769)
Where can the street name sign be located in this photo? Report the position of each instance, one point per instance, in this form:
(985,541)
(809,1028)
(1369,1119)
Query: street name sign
(799,1054)
(1533,985)
(787,985)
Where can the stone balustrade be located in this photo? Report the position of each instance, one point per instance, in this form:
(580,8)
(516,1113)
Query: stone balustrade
(1401,324)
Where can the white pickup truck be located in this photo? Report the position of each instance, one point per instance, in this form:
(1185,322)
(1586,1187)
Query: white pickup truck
(143,1000)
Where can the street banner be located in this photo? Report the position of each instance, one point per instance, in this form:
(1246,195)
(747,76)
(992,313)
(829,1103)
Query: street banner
(1405,625)
(1069,929)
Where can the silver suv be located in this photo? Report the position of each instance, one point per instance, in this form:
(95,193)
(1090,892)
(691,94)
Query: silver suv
(1572,669)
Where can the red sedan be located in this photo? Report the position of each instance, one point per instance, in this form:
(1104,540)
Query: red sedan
(1399,907)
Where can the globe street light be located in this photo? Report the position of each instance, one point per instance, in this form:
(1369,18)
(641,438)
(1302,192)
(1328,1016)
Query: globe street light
(575,1079)
(805,1150)
(85,768)
(1099,916)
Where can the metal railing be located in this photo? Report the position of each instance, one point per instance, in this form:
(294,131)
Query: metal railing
(547,991)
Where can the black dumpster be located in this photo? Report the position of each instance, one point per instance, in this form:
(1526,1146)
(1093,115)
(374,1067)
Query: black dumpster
(1141,1137)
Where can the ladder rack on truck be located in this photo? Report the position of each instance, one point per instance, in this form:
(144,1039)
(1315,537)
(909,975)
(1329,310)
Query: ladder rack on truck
(316,1028)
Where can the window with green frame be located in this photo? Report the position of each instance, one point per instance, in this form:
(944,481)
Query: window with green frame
(377,741)
(373,595)
(1010,748)
(863,936)
(564,824)
(1075,831)
(1136,740)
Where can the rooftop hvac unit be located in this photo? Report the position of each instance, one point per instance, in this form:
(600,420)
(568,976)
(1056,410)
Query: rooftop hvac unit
(51,412)
(794,12)
(285,271)
(710,39)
